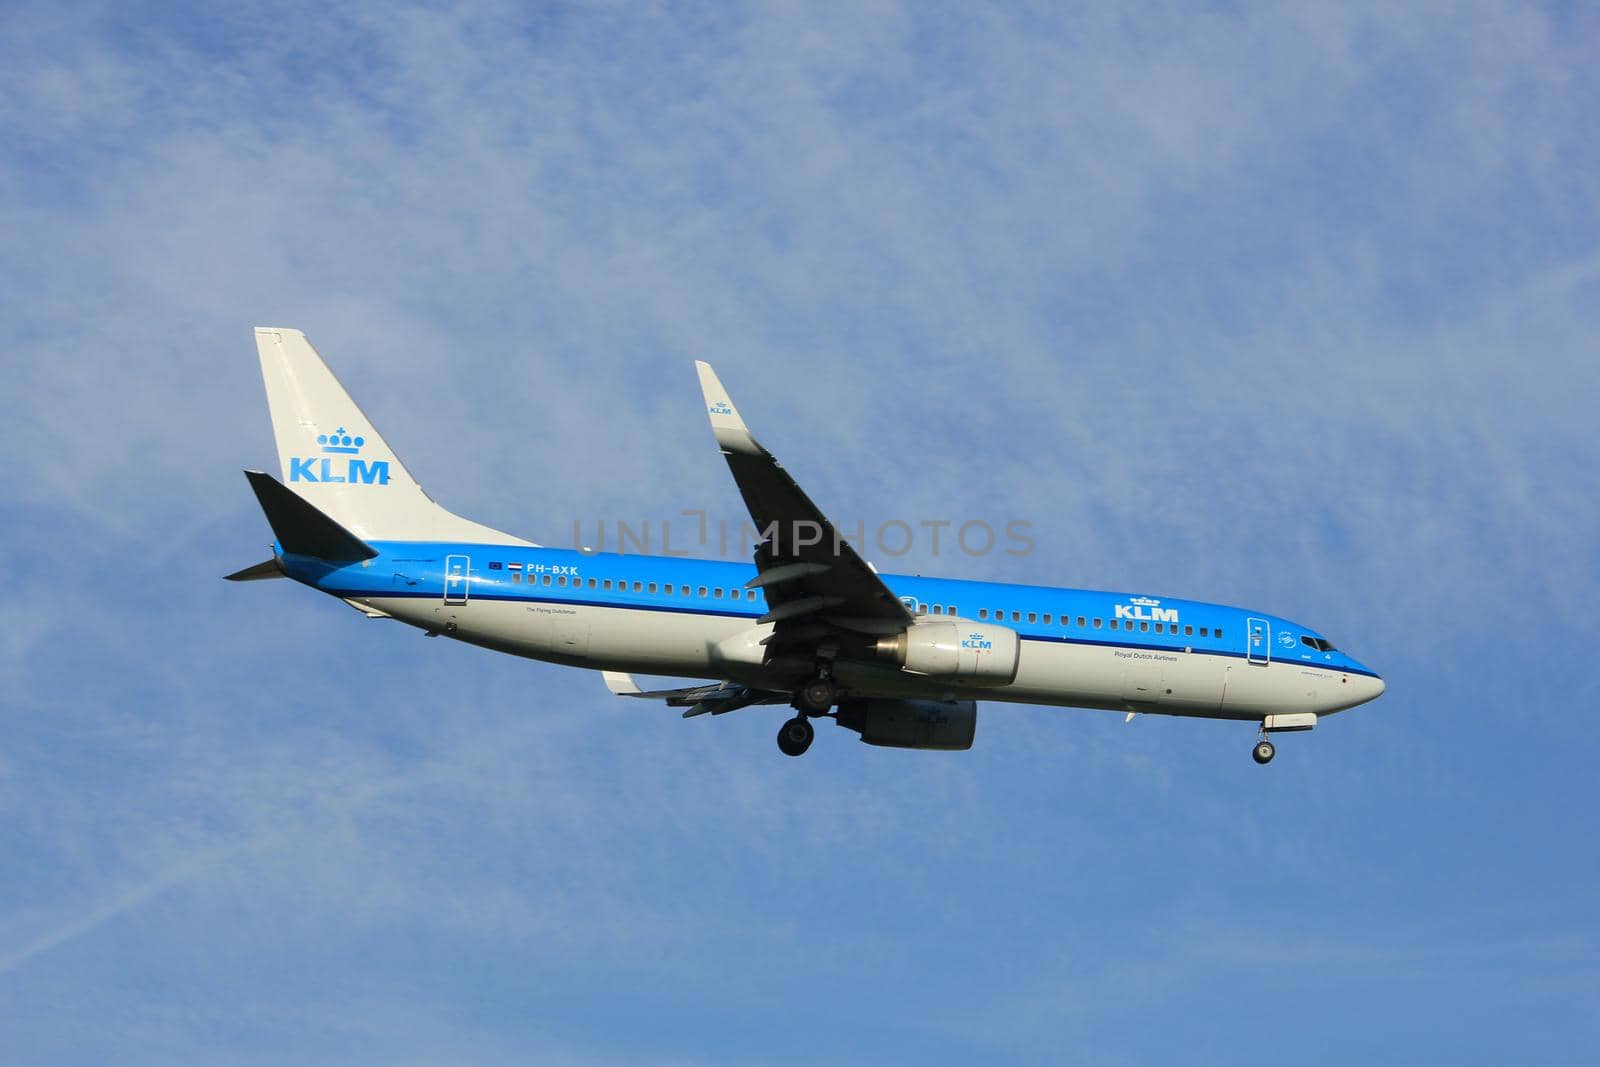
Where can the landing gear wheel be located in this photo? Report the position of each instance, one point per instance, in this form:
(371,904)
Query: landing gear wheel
(816,697)
(1264,752)
(794,737)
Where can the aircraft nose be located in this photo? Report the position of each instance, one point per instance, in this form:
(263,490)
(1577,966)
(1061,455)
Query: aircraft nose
(1355,690)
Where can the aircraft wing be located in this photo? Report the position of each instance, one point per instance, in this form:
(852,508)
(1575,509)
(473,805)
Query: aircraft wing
(714,698)
(815,583)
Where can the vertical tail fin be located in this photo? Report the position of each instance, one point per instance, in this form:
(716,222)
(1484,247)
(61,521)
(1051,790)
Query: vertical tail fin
(333,457)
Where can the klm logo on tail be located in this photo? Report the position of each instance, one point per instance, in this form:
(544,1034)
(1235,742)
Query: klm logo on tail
(352,471)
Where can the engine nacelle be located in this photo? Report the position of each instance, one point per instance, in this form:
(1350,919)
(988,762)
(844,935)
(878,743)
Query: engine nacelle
(971,652)
(941,724)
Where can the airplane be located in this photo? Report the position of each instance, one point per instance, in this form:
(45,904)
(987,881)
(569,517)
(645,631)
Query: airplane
(901,660)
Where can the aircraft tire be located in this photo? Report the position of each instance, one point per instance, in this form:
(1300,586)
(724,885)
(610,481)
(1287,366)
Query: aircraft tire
(816,697)
(795,736)
(1264,752)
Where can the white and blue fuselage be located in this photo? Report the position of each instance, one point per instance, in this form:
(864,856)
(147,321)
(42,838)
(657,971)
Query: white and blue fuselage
(901,659)
(696,618)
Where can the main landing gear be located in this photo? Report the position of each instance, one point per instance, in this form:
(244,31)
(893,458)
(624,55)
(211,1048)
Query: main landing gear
(794,736)
(816,698)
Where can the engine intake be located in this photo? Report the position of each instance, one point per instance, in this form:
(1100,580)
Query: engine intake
(970,652)
(933,724)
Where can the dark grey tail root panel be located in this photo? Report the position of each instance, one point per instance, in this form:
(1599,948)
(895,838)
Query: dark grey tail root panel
(300,528)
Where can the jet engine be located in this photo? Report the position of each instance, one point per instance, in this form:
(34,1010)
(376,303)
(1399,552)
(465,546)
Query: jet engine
(943,724)
(973,653)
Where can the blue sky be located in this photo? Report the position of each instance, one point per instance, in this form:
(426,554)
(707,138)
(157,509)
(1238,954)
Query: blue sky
(1292,307)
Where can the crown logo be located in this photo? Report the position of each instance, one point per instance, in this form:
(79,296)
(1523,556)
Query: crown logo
(1144,601)
(339,441)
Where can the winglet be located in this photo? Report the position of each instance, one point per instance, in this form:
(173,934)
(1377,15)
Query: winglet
(730,430)
(620,684)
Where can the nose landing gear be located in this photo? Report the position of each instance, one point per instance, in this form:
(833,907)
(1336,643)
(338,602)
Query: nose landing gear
(1264,750)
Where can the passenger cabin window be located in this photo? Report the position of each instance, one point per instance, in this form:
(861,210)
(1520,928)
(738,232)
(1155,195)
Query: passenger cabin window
(716,594)
(1033,616)
(1016,616)
(1080,621)
(546,580)
(652,587)
(1097,624)
(1116,625)
(638,587)
(703,590)
(1188,631)
(983,613)
(938,609)
(683,589)
(922,609)
(1218,633)
(1047,618)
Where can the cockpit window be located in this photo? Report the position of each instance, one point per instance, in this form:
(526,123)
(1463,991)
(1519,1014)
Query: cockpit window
(1317,643)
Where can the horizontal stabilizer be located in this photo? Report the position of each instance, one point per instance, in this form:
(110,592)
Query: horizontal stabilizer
(713,698)
(259,572)
(300,528)
(621,684)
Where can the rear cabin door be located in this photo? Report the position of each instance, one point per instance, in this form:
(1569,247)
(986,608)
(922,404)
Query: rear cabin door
(457,576)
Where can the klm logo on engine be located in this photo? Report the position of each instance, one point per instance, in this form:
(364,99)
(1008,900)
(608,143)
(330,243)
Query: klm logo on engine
(978,643)
(1146,609)
(340,463)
